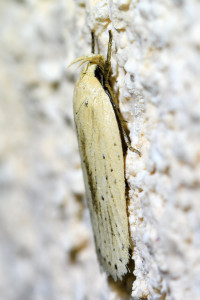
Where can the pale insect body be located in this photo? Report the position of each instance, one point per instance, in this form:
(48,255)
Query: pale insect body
(102,160)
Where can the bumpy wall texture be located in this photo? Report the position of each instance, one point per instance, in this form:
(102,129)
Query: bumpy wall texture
(46,244)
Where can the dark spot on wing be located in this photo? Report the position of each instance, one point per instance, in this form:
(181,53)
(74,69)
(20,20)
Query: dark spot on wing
(115,267)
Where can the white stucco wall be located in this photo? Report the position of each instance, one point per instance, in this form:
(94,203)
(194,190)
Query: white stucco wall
(46,245)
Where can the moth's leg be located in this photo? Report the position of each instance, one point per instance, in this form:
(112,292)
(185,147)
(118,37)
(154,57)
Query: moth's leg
(93,42)
(126,138)
(123,132)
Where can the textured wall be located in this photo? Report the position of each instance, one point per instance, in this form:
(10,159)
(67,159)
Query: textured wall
(46,245)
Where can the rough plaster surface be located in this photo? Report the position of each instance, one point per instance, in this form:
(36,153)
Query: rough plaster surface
(46,246)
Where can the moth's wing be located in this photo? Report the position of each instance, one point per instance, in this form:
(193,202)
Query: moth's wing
(103,169)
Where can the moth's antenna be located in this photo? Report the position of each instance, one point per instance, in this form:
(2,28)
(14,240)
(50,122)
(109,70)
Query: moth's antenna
(93,42)
(108,60)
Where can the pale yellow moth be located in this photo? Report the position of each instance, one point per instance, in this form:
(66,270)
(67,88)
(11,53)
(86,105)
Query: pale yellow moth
(100,136)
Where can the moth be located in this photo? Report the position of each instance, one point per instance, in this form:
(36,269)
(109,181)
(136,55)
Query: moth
(101,139)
